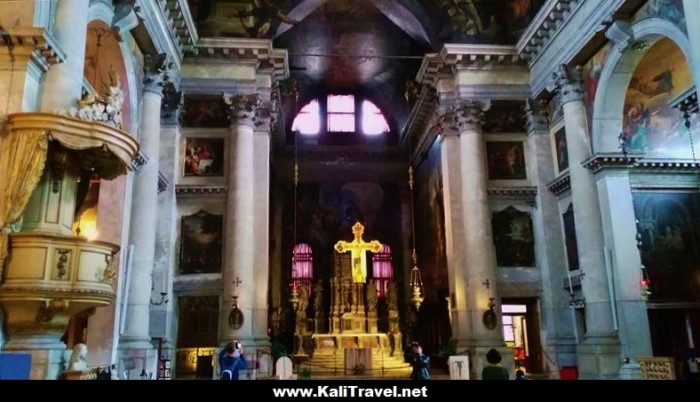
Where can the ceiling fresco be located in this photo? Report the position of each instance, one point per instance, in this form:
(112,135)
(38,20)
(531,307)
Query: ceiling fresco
(366,47)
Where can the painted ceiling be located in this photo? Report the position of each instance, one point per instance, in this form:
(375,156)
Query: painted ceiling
(365,47)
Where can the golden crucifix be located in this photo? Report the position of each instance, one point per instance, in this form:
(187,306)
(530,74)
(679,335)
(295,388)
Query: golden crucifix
(357,249)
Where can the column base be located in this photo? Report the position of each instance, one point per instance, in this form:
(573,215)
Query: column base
(559,352)
(49,355)
(138,359)
(599,357)
(631,371)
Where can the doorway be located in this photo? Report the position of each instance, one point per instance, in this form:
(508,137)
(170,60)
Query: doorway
(198,320)
(675,331)
(521,333)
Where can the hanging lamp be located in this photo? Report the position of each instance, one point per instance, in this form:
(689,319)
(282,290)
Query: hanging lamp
(416,281)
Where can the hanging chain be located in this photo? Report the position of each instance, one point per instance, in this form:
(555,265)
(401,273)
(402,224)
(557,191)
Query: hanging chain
(686,117)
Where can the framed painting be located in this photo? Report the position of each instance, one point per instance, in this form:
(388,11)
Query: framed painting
(201,243)
(561,153)
(570,238)
(513,238)
(506,160)
(203,157)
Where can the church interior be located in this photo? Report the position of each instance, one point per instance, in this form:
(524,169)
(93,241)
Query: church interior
(327,181)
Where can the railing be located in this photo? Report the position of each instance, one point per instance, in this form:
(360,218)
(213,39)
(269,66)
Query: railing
(657,368)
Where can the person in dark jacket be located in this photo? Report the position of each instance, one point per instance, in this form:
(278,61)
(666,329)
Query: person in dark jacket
(494,370)
(419,362)
(231,361)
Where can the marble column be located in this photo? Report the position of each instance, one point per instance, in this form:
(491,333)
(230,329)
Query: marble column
(261,264)
(454,228)
(63,83)
(692,17)
(599,352)
(135,341)
(617,209)
(479,251)
(557,319)
(240,232)
(162,322)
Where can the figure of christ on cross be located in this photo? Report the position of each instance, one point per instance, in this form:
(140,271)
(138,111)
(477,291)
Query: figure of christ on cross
(357,249)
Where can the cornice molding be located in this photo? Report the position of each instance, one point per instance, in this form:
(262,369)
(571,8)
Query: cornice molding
(465,56)
(687,101)
(23,45)
(159,25)
(260,51)
(608,161)
(200,191)
(526,193)
(562,41)
(560,185)
(549,20)
(668,165)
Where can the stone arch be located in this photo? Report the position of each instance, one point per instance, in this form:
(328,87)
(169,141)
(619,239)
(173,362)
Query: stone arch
(102,14)
(615,77)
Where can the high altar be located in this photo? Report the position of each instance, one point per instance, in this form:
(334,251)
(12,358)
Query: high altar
(347,335)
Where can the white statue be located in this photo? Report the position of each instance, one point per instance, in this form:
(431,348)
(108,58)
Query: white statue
(78,359)
(105,108)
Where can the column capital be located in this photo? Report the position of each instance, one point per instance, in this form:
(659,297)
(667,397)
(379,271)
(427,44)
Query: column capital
(567,83)
(263,121)
(171,106)
(465,115)
(155,69)
(536,116)
(242,108)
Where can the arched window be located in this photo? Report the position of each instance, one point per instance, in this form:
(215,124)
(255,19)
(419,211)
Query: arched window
(373,121)
(343,114)
(302,266)
(308,120)
(382,270)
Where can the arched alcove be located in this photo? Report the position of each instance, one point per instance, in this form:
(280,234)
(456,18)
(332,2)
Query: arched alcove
(103,55)
(612,98)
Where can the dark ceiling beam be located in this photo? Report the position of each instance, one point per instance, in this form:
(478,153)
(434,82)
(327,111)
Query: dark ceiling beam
(298,13)
(403,18)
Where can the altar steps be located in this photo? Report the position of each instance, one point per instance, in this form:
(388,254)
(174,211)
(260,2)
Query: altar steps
(333,365)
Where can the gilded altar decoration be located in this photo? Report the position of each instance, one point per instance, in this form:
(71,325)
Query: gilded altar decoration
(105,108)
(357,249)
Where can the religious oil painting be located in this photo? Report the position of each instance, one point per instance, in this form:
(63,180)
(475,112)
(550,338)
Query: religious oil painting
(561,151)
(513,237)
(479,21)
(205,111)
(430,222)
(505,117)
(201,243)
(570,238)
(204,157)
(506,160)
(651,126)
(669,224)
(591,77)
(239,18)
